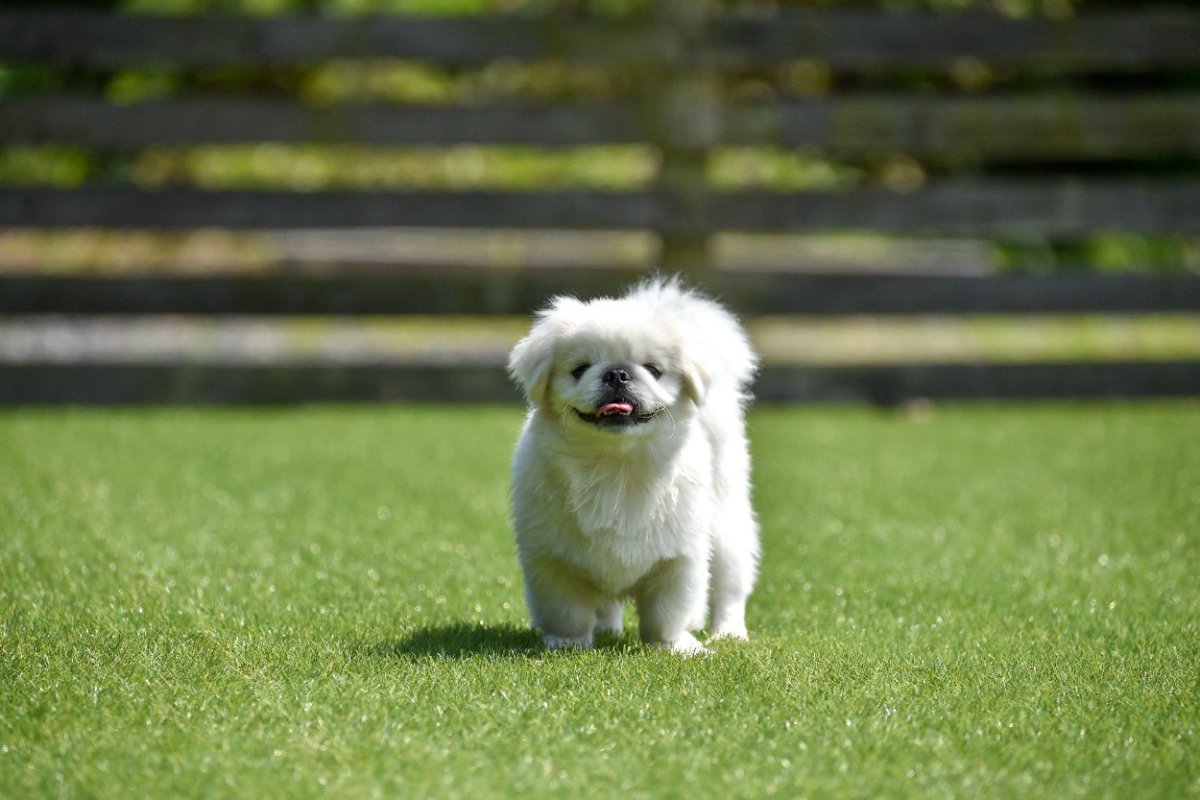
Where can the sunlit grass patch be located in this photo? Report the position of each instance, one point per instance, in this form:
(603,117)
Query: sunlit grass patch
(989,601)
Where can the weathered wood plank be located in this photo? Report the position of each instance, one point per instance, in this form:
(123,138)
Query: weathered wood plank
(1055,208)
(844,39)
(47,383)
(1072,127)
(767,293)
(1009,127)
(893,385)
(173,209)
(92,122)
(521,292)
(866,39)
(432,292)
(103,40)
(1063,208)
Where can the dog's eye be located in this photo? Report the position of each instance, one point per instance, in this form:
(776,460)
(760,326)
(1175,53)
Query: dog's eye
(653,369)
(577,373)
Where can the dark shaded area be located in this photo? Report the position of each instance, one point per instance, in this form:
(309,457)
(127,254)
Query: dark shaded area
(460,640)
(44,383)
(522,292)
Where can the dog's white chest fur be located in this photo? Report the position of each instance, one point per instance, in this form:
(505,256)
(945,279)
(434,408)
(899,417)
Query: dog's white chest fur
(616,514)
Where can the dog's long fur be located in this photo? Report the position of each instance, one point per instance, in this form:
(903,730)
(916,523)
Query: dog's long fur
(632,474)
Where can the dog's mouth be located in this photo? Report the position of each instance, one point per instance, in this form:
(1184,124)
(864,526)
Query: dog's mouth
(617,414)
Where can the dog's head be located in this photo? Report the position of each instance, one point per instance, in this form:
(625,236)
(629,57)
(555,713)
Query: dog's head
(614,365)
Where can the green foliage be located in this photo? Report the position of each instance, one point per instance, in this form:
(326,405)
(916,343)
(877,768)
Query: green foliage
(141,85)
(321,167)
(1112,251)
(1116,251)
(399,81)
(18,79)
(62,167)
(777,169)
(971,601)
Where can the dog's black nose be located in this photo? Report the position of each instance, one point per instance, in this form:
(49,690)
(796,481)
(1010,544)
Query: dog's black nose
(617,376)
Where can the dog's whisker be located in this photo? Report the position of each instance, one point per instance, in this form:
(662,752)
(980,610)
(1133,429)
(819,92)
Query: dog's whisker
(671,417)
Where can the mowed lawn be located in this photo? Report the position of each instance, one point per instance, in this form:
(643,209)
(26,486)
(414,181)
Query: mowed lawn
(963,602)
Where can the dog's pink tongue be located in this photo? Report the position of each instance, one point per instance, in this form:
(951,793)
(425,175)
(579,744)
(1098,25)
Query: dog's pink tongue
(616,408)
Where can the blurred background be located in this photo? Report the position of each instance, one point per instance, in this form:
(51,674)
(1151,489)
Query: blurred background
(275,201)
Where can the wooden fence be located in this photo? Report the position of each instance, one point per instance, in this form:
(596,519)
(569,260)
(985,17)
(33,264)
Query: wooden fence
(1117,150)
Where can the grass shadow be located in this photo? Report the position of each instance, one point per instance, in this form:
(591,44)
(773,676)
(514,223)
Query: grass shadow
(462,640)
(459,640)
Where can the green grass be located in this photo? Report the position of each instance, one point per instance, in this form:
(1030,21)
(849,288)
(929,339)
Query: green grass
(976,602)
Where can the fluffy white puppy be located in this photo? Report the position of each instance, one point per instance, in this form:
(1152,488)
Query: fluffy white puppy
(632,474)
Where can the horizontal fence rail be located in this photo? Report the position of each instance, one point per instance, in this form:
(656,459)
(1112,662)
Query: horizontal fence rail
(524,291)
(866,39)
(234,120)
(1062,207)
(890,385)
(1007,127)
(846,39)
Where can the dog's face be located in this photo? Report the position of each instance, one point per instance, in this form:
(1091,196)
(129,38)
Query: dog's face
(609,365)
(611,384)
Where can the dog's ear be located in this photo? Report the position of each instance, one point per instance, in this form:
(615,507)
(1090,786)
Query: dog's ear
(531,362)
(695,379)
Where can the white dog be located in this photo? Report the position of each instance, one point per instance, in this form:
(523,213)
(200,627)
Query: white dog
(632,474)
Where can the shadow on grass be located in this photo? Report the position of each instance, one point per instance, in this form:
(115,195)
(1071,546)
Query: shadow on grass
(462,640)
(470,640)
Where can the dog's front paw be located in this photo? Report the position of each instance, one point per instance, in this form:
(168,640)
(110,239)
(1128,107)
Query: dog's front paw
(737,632)
(609,620)
(685,645)
(567,642)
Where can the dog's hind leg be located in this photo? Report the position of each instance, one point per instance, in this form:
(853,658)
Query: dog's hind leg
(733,565)
(733,559)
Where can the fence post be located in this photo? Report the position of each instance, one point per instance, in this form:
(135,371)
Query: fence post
(685,109)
